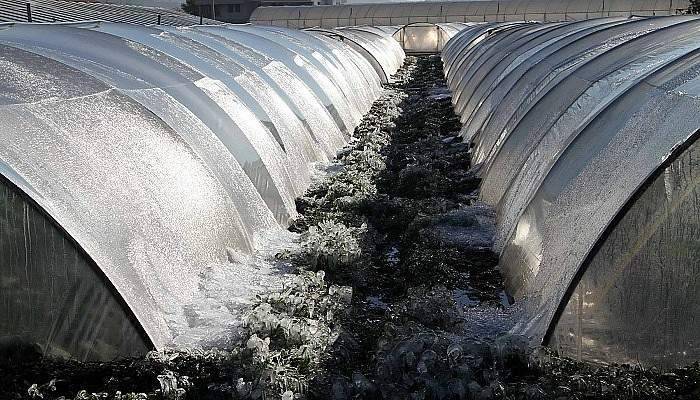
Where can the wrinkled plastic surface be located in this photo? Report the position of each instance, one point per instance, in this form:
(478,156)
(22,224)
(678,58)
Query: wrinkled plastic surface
(638,297)
(567,122)
(377,46)
(159,152)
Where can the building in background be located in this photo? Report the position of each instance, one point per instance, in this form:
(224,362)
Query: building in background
(402,13)
(239,11)
(168,4)
(73,11)
(234,11)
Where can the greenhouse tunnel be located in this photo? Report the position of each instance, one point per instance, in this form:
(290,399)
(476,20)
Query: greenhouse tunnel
(584,134)
(133,157)
(380,49)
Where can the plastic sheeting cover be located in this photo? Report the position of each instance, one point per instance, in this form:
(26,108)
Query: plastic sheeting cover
(567,122)
(156,149)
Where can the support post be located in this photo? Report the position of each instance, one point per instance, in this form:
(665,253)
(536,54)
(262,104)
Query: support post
(158,19)
(29,12)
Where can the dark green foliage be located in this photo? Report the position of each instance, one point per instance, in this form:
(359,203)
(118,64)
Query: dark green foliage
(694,7)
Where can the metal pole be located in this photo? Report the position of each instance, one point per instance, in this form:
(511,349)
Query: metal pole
(213,11)
(437,31)
(29,12)
(158,19)
(200,14)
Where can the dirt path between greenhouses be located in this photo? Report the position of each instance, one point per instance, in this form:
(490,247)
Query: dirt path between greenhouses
(396,293)
(429,316)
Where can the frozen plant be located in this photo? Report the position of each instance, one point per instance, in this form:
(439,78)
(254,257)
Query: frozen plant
(291,329)
(37,391)
(34,392)
(351,183)
(84,395)
(172,385)
(331,244)
(130,396)
(368,160)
